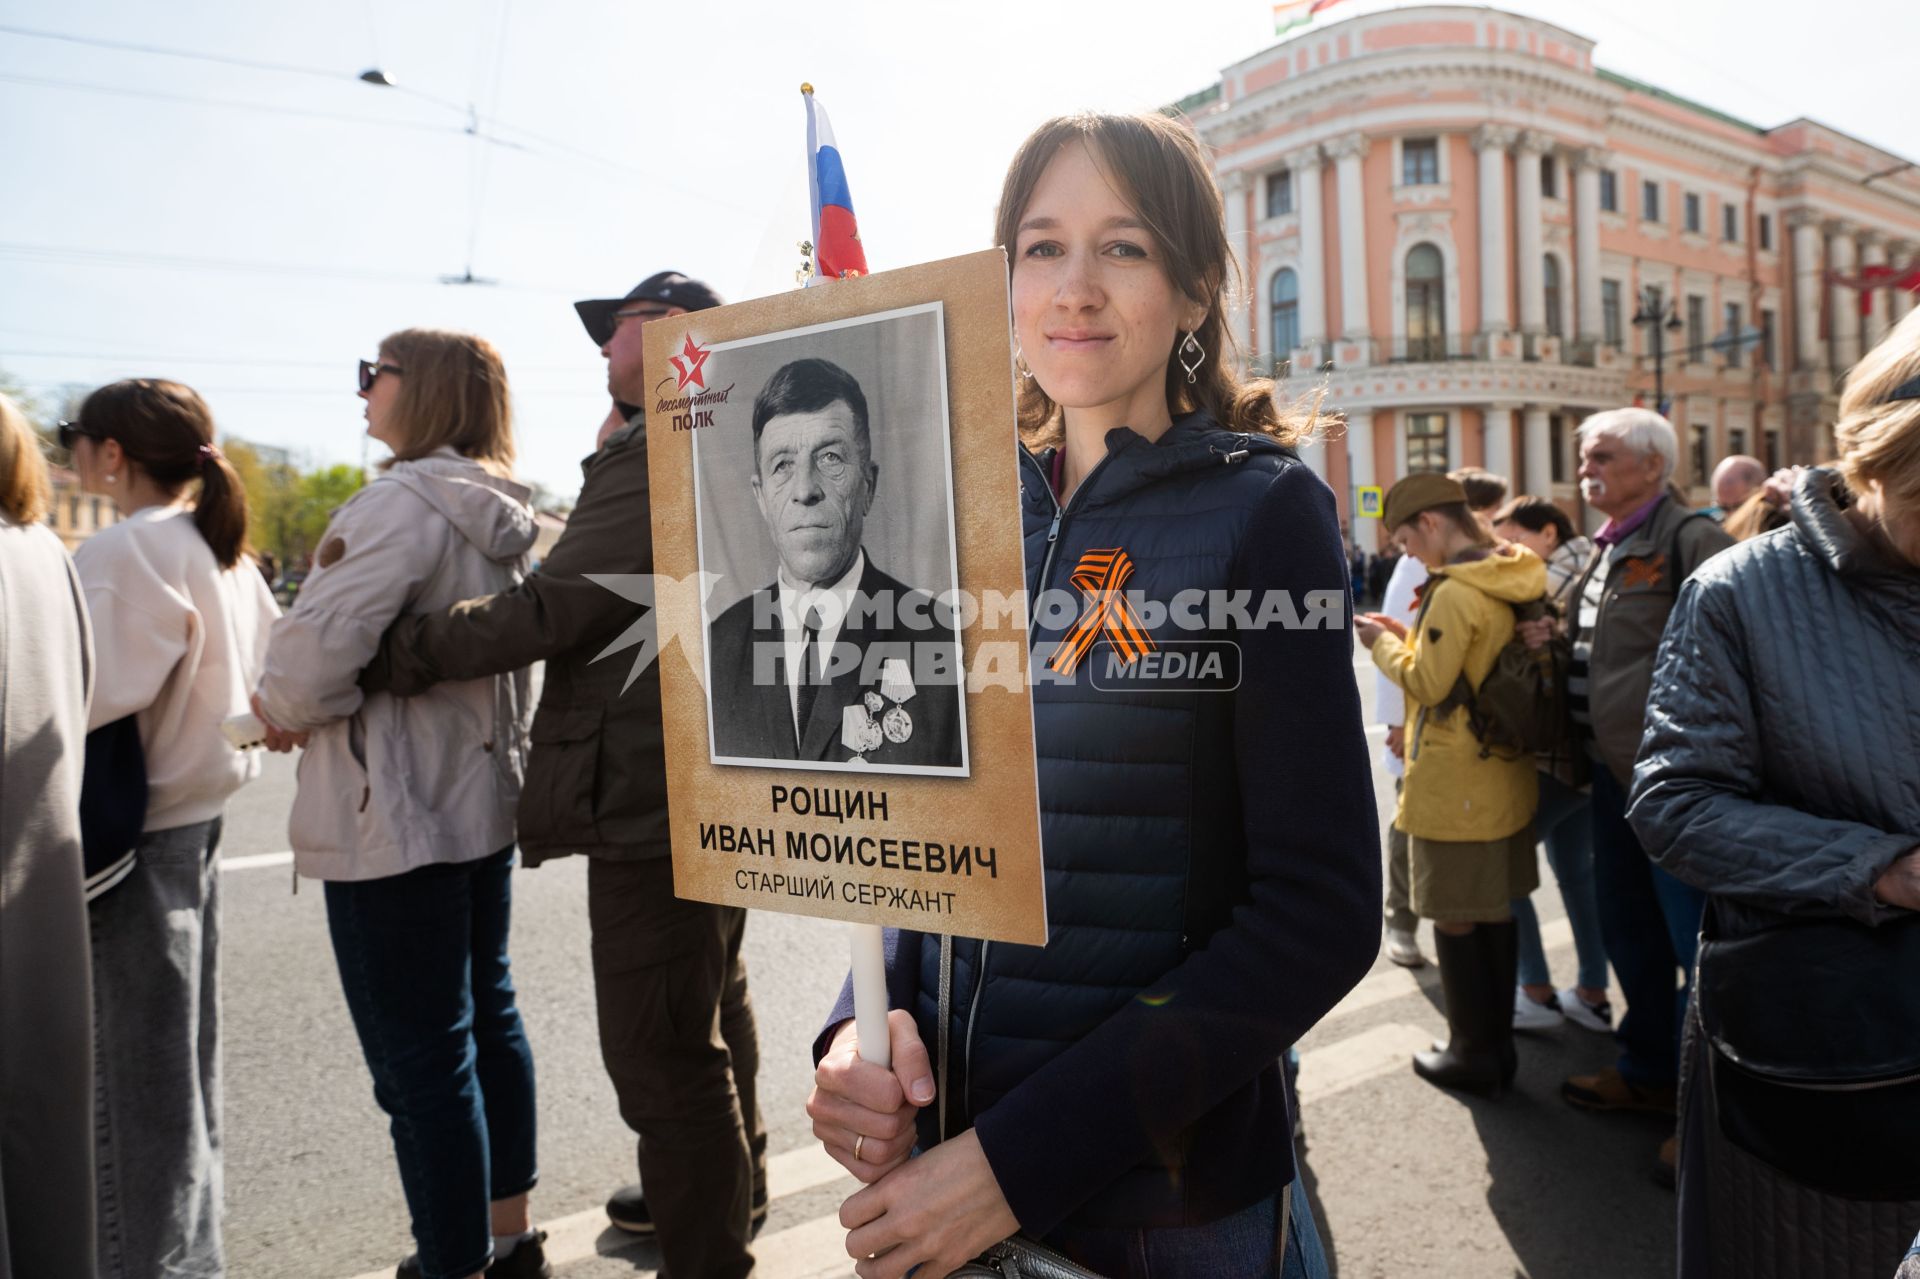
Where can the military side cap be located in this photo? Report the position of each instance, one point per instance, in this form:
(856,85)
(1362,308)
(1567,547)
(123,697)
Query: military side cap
(1418,493)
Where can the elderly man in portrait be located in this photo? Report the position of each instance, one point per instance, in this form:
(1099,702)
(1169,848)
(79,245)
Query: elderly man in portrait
(834,661)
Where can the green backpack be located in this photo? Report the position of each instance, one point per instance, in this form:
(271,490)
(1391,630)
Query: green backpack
(1520,708)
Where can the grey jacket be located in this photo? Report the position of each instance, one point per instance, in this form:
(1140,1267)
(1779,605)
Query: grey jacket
(389,785)
(1642,584)
(1778,770)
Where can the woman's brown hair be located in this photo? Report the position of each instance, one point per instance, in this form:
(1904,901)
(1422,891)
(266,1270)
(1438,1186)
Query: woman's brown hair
(24,487)
(1878,439)
(166,429)
(1163,173)
(453,392)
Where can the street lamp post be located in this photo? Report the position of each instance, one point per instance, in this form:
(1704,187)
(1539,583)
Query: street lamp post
(1656,314)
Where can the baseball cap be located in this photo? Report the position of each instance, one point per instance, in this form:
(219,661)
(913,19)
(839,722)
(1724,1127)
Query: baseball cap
(667,287)
(1418,493)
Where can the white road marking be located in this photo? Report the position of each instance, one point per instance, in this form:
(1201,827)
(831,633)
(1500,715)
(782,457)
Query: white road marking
(256,861)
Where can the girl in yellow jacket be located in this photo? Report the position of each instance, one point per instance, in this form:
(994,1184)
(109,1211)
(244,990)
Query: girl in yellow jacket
(1468,815)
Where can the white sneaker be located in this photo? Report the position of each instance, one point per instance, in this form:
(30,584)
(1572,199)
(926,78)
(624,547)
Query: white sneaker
(1531,1015)
(1581,1013)
(1403,950)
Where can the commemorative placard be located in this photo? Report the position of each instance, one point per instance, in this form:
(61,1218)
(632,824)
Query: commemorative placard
(844,657)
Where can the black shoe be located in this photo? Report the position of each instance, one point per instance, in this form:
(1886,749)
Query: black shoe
(627,1210)
(1472,1060)
(528,1261)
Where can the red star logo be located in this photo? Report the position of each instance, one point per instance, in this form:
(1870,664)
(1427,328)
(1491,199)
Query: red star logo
(686,366)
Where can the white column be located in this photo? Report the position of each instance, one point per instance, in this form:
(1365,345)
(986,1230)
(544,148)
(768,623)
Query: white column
(1491,141)
(1873,252)
(1538,429)
(1233,196)
(1527,232)
(1807,268)
(1901,253)
(1313,247)
(1843,302)
(1360,468)
(1347,152)
(1497,444)
(1586,241)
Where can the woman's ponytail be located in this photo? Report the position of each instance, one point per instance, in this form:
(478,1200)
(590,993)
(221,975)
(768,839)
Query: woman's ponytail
(220,513)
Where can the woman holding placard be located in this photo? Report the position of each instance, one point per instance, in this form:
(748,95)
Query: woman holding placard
(1212,857)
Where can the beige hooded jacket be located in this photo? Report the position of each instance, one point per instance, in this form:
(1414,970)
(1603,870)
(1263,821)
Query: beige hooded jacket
(389,784)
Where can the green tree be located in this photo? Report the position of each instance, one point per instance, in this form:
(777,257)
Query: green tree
(316,497)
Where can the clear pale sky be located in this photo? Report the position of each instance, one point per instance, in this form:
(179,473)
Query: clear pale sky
(255,232)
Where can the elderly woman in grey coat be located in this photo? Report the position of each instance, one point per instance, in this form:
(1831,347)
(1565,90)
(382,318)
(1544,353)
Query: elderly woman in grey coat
(1778,774)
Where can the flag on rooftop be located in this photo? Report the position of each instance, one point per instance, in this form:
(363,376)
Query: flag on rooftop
(1289,14)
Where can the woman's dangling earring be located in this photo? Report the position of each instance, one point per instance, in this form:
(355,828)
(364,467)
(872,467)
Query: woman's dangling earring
(1020,361)
(112,478)
(1192,356)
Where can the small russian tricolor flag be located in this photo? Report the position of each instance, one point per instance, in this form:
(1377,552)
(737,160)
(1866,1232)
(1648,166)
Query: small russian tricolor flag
(837,252)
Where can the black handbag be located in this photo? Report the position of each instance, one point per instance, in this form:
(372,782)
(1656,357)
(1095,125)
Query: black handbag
(1813,1036)
(113,803)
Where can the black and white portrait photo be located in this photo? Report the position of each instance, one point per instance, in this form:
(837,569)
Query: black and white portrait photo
(824,497)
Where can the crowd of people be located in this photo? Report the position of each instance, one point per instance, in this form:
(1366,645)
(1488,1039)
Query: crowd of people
(1709,726)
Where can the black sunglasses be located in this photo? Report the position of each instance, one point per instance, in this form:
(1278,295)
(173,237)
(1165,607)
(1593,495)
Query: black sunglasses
(369,371)
(70,432)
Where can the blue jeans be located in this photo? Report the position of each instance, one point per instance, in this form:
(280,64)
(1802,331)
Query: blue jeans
(1242,1246)
(1651,922)
(157,1124)
(1567,830)
(423,963)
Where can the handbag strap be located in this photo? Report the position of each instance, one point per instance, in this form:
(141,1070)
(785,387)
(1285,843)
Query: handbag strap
(946,1025)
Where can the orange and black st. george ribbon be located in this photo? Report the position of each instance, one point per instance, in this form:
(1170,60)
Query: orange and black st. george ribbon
(1102,575)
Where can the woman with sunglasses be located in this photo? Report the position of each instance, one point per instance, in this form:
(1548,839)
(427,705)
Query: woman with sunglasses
(405,807)
(180,622)
(1212,859)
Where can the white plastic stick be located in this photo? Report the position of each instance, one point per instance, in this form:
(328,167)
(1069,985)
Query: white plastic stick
(870,994)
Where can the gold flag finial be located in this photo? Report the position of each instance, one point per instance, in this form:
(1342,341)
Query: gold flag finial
(806,88)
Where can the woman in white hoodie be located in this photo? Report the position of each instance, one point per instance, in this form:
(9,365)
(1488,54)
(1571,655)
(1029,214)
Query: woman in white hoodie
(405,807)
(180,622)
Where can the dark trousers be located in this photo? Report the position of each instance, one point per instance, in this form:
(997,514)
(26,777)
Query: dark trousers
(677,1036)
(423,962)
(1650,922)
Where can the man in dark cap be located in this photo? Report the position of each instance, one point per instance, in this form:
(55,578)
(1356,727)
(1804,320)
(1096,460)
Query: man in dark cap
(676,1024)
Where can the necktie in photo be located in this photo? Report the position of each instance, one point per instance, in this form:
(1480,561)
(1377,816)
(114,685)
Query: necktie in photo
(809,676)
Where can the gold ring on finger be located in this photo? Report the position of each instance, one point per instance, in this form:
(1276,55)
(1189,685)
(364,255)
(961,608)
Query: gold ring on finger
(859,1139)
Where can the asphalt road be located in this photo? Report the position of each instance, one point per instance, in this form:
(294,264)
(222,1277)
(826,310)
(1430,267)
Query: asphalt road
(1404,1178)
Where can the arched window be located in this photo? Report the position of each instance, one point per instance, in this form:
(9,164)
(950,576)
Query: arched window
(1550,282)
(1426,304)
(1286,314)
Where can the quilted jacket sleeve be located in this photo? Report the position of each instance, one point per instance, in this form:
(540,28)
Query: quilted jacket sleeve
(1697,783)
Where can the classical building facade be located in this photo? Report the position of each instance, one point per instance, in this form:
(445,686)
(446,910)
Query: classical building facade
(1449,216)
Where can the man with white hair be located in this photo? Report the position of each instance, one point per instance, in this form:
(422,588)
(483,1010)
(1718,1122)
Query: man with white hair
(1650,545)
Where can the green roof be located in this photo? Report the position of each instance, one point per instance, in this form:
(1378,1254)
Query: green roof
(1194,101)
(1654,91)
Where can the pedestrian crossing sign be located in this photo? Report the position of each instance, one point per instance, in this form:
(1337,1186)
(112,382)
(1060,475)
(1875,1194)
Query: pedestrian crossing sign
(1371,501)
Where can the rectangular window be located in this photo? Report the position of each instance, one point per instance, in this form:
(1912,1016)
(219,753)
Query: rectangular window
(1766,339)
(1420,162)
(1692,212)
(1611,331)
(1702,455)
(1427,442)
(1730,223)
(1650,201)
(1736,441)
(1733,337)
(1609,192)
(1772,458)
(1280,193)
(1696,329)
(1766,231)
(1549,178)
(1557,442)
